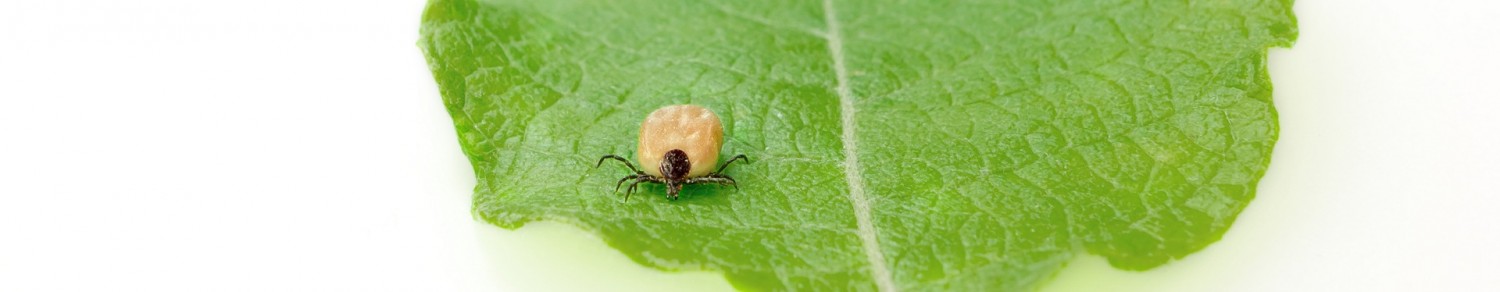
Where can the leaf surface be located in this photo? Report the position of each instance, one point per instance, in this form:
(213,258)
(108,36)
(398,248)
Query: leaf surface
(896,145)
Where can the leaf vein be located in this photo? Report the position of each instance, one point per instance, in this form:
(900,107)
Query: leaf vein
(861,203)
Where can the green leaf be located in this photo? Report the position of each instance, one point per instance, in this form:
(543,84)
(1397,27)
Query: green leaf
(896,145)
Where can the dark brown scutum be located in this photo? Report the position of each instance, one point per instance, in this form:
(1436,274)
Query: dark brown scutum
(675,167)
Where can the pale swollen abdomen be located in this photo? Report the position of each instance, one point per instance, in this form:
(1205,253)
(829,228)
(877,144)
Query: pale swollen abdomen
(693,129)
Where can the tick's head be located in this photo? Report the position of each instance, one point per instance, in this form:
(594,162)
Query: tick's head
(675,166)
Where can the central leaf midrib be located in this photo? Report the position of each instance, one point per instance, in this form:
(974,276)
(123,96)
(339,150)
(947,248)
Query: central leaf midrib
(852,171)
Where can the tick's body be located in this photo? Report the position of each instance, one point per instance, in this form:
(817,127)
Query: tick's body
(678,146)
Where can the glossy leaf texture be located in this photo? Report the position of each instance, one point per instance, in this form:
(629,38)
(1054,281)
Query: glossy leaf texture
(991,141)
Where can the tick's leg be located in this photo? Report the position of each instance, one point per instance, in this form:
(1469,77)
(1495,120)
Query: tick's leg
(641,178)
(726,163)
(622,181)
(631,189)
(621,159)
(715,179)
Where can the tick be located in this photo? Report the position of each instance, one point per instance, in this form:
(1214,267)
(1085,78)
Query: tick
(682,143)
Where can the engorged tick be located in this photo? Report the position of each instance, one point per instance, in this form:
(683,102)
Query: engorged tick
(683,142)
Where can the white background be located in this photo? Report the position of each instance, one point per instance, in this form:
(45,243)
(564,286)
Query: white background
(301,145)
